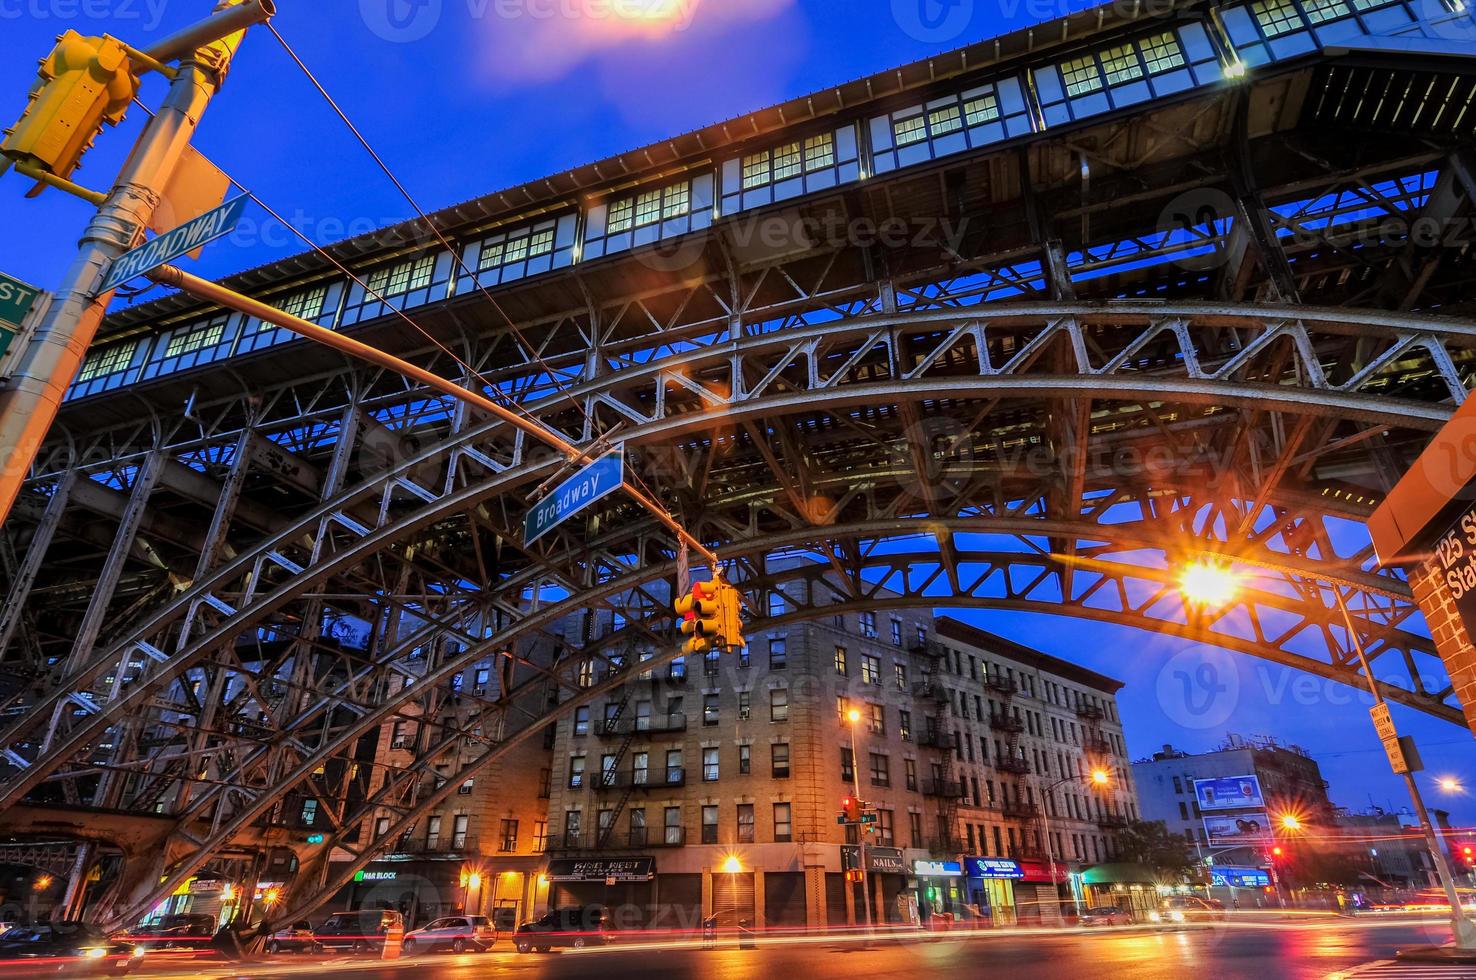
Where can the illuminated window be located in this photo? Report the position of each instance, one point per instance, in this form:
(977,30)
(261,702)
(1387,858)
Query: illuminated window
(648,208)
(676,200)
(756,170)
(1081,75)
(1276,17)
(787,161)
(981,110)
(305,304)
(1161,52)
(945,120)
(516,250)
(1121,64)
(107,360)
(401,278)
(819,152)
(621,213)
(196,338)
(912,130)
(1320,11)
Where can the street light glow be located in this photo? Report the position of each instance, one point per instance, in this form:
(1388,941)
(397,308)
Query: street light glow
(732,865)
(1207,584)
(1449,784)
(853,716)
(1291,822)
(1100,777)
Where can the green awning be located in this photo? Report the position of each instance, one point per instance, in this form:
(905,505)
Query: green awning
(1118,874)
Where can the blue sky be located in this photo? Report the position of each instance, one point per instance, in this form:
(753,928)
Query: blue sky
(462,97)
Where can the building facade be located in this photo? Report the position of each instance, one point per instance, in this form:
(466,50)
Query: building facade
(712,786)
(1234,804)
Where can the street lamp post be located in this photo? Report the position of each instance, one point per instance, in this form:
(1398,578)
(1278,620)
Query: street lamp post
(1207,583)
(854,717)
(1098,777)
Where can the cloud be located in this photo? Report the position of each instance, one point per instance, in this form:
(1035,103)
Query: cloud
(540,40)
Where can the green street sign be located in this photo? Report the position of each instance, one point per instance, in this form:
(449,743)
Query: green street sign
(16,300)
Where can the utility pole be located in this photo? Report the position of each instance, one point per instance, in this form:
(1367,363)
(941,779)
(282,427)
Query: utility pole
(29,404)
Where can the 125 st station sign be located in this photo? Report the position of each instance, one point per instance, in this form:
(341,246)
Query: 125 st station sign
(1455,561)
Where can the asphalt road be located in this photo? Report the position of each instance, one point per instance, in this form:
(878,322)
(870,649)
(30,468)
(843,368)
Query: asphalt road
(1260,951)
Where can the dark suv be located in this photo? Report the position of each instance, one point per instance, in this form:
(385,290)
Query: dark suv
(567,928)
(360,932)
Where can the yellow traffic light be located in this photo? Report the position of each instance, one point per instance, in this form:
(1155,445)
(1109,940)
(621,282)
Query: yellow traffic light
(730,608)
(701,621)
(84,83)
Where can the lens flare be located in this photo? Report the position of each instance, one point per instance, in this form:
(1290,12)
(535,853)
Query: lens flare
(1206,584)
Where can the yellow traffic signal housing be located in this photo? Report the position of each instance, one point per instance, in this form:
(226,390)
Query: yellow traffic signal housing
(84,83)
(730,612)
(701,622)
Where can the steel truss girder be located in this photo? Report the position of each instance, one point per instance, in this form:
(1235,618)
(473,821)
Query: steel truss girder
(1200,381)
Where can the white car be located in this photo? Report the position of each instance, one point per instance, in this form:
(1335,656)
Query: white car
(458,933)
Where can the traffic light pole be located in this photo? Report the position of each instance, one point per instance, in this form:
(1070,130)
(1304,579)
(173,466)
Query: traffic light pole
(860,831)
(29,405)
(1463,930)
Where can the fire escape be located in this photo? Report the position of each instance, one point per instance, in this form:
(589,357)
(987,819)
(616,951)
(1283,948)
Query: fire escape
(1098,749)
(941,783)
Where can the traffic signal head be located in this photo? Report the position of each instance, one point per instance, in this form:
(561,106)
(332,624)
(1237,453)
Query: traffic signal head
(1276,852)
(851,808)
(701,623)
(730,615)
(84,83)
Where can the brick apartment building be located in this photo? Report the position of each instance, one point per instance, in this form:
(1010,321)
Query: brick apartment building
(713,786)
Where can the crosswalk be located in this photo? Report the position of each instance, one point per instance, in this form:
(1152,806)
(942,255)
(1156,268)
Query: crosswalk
(1392,970)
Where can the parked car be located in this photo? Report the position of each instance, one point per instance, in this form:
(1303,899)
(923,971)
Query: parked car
(296,938)
(68,949)
(458,933)
(1106,915)
(1187,908)
(359,932)
(180,931)
(567,928)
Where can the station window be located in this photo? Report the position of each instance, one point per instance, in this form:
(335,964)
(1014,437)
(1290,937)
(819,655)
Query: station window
(981,110)
(1320,11)
(107,360)
(820,152)
(402,277)
(1276,17)
(1080,75)
(1121,64)
(198,337)
(304,304)
(944,120)
(787,161)
(1161,52)
(908,131)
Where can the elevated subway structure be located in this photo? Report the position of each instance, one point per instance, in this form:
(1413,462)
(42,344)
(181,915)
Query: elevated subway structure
(1019,327)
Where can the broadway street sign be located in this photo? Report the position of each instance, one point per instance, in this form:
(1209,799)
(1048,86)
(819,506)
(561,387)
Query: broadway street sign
(172,244)
(600,478)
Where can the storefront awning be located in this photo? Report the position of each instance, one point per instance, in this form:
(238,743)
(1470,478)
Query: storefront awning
(1118,874)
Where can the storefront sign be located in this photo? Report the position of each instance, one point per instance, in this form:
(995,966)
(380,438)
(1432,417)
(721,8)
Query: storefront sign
(1241,878)
(205,885)
(609,872)
(1229,793)
(376,875)
(937,869)
(1240,828)
(987,867)
(879,860)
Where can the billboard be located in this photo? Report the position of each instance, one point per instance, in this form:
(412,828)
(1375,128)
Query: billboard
(1229,793)
(992,867)
(1238,828)
(1241,877)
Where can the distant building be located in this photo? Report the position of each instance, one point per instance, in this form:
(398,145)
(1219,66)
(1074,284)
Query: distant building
(1230,803)
(1388,850)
